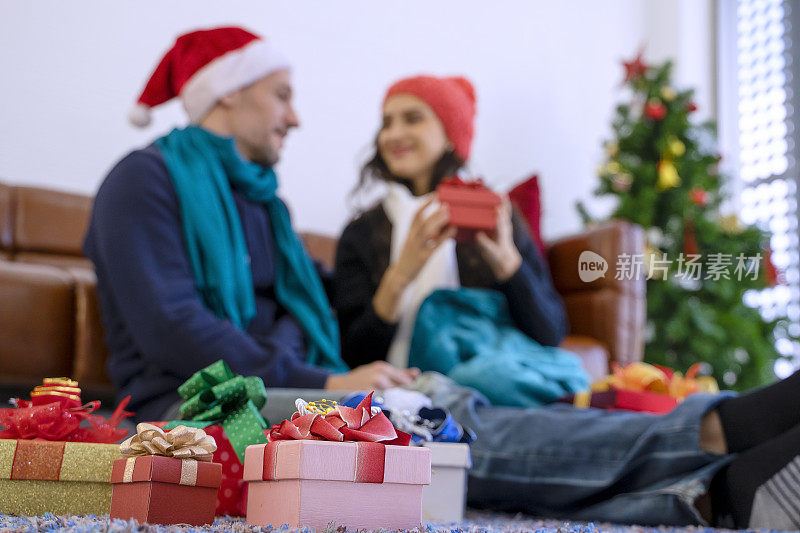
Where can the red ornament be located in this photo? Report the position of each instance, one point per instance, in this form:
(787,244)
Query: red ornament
(635,68)
(699,197)
(771,273)
(689,240)
(691,107)
(655,109)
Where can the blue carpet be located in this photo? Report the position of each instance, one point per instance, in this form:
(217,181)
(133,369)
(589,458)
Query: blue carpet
(475,522)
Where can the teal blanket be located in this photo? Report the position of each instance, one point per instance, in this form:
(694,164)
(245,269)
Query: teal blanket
(468,335)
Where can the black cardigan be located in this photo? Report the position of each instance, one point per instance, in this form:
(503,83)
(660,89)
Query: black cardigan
(363,255)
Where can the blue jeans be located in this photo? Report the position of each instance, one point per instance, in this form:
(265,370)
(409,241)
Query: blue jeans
(584,464)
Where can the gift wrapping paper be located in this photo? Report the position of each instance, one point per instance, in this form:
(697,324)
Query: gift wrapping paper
(38,477)
(165,490)
(358,485)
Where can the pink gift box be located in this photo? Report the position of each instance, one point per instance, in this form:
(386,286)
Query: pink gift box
(311,483)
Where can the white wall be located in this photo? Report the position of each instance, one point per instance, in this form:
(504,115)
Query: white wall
(547,76)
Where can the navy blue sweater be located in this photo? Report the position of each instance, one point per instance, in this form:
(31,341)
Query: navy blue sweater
(157,328)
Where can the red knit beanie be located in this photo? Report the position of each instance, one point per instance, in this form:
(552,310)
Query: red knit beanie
(451,99)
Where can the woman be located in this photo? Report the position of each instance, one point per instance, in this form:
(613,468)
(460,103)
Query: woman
(395,254)
(557,461)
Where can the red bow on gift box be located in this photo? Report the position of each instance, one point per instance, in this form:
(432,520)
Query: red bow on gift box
(340,423)
(55,413)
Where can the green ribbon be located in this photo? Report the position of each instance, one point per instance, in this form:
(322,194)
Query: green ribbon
(215,395)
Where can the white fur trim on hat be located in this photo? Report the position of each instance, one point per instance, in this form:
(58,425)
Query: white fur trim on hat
(229,73)
(139,115)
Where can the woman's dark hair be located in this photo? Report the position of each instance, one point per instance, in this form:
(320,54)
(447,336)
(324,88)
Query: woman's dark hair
(376,170)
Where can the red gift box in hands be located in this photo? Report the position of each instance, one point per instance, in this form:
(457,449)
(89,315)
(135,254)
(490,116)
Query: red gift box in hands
(472,205)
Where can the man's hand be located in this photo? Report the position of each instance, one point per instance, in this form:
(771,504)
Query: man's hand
(378,375)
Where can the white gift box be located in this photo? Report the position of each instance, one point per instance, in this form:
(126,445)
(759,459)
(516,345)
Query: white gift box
(445,498)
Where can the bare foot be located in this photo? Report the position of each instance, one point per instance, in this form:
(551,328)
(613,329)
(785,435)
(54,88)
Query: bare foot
(712,436)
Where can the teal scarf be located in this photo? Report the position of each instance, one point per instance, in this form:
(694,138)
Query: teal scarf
(204,167)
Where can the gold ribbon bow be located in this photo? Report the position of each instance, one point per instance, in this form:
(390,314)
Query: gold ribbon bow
(181,443)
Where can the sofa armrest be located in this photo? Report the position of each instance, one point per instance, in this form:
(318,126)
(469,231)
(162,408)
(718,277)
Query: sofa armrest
(610,310)
(320,247)
(592,353)
(91,352)
(6,223)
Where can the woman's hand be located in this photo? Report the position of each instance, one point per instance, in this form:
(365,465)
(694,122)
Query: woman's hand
(426,234)
(500,252)
(377,375)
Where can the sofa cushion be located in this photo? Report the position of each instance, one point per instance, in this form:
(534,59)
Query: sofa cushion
(526,197)
(37,313)
(49,221)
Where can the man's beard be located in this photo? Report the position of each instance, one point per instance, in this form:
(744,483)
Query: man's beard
(268,158)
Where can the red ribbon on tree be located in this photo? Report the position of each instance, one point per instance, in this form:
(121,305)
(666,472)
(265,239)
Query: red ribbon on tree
(55,413)
(339,423)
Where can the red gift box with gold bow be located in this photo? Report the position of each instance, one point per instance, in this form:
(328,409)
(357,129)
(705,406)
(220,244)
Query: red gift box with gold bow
(472,206)
(166,477)
(643,387)
(335,464)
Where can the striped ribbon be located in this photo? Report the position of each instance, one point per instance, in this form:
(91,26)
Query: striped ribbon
(369,466)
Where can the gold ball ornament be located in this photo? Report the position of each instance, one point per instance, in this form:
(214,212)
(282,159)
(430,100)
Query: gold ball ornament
(730,224)
(652,254)
(668,93)
(676,147)
(612,149)
(610,168)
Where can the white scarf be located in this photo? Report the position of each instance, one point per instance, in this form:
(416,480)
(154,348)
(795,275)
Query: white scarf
(439,272)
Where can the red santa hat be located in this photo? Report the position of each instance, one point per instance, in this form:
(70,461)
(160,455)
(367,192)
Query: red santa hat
(205,65)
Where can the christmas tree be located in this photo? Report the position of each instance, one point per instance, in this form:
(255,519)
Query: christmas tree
(662,169)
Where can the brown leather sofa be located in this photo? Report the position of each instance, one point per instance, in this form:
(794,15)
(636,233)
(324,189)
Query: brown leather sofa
(50,321)
(49,317)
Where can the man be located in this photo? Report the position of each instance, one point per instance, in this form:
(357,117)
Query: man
(195,255)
